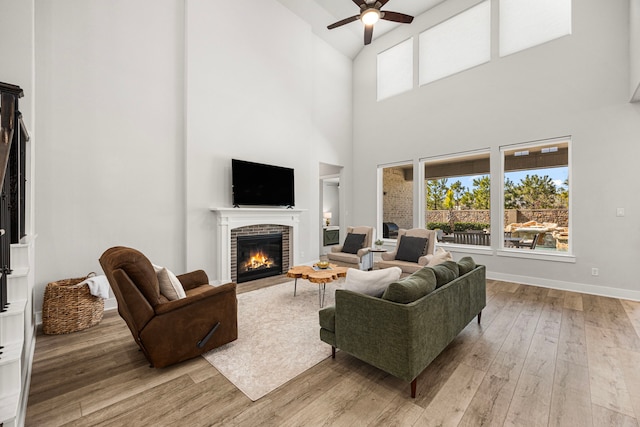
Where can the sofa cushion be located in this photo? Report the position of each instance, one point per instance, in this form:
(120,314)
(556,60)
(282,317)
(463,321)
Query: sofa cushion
(371,283)
(412,287)
(466,264)
(411,248)
(353,242)
(328,318)
(445,272)
(344,257)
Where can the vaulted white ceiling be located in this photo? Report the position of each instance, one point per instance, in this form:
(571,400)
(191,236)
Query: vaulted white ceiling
(349,39)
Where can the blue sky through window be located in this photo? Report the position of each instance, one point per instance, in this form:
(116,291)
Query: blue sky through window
(559,175)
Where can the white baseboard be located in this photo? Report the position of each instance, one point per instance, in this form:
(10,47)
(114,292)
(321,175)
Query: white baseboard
(604,291)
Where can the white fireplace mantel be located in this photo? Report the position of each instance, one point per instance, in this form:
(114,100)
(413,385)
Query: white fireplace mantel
(228,219)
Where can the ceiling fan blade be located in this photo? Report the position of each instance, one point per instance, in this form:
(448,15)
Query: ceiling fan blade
(368,33)
(359,3)
(344,21)
(382,3)
(396,17)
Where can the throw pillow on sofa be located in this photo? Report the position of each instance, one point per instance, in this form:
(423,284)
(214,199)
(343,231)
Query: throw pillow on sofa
(412,287)
(445,272)
(439,256)
(466,264)
(371,283)
(353,243)
(411,248)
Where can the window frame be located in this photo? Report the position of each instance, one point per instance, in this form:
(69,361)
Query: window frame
(422,164)
(567,256)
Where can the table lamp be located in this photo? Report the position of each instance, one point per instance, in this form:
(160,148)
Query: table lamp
(327,218)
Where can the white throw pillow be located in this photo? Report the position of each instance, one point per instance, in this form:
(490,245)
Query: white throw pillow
(170,286)
(371,283)
(439,257)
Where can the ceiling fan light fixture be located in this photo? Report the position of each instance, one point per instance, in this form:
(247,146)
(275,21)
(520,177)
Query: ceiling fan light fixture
(370,17)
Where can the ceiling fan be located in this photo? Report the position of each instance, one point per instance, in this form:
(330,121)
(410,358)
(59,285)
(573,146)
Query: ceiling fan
(369,14)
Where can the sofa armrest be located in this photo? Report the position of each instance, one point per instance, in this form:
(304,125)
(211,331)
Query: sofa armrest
(193,279)
(336,248)
(209,292)
(389,256)
(424,260)
(179,326)
(362,252)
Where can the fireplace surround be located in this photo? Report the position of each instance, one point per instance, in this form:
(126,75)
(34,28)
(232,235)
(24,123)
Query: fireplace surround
(248,240)
(228,220)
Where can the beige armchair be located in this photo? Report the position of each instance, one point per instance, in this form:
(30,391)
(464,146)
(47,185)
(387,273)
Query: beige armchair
(389,258)
(361,259)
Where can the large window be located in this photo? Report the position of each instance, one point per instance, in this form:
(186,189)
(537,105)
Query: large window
(536,196)
(395,70)
(457,198)
(524,24)
(396,200)
(457,44)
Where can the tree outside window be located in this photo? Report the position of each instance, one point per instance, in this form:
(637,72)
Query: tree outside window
(536,196)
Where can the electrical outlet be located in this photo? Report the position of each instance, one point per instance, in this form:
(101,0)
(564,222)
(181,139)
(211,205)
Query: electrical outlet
(620,212)
(301,254)
(594,271)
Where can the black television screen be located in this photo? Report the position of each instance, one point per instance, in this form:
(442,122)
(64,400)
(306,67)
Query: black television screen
(260,184)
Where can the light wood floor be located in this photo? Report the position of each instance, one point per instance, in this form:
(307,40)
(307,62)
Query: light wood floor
(541,357)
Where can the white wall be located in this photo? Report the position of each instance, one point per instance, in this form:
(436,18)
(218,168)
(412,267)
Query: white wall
(17,42)
(576,85)
(266,90)
(634,48)
(110,167)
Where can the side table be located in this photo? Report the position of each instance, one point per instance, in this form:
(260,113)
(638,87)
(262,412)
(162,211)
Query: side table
(373,251)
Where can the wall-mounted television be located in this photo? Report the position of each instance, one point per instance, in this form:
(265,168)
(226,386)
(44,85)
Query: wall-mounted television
(261,184)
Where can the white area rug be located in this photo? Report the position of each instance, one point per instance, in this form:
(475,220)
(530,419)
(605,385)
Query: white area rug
(278,338)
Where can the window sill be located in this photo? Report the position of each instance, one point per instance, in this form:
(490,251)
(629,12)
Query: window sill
(470,249)
(525,253)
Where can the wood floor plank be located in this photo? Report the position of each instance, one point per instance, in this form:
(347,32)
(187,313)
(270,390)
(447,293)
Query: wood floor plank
(572,343)
(630,365)
(607,417)
(608,387)
(491,402)
(540,357)
(550,318)
(573,301)
(531,401)
(398,413)
(571,397)
(632,308)
(449,405)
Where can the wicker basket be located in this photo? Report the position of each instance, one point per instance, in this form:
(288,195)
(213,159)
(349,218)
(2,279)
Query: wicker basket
(69,308)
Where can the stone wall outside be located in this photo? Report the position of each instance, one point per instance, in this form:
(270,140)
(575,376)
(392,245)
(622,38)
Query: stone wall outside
(397,198)
(559,216)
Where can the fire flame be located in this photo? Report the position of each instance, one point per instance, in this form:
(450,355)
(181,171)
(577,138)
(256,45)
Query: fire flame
(259,260)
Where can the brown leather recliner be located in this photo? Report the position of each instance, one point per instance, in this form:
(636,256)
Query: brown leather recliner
(169,332)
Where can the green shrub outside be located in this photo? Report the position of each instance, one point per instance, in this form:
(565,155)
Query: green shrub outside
(457,226)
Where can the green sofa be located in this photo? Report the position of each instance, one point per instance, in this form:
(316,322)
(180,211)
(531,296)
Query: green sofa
(414,320)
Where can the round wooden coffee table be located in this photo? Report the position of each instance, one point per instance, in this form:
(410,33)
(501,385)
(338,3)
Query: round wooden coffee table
(320,276)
